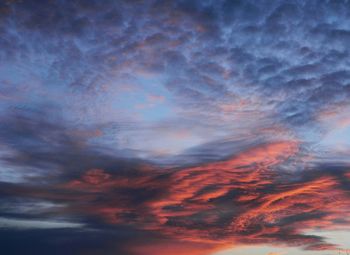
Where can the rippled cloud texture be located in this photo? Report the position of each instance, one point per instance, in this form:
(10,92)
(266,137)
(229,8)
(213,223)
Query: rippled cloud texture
(174,127)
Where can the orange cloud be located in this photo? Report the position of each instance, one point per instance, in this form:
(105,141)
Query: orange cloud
(216,205)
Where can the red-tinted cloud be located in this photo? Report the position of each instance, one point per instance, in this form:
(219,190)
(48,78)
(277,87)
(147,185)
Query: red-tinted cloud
(199,209)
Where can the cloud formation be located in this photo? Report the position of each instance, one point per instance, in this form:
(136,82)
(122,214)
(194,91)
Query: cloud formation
(184,127)
(244,199)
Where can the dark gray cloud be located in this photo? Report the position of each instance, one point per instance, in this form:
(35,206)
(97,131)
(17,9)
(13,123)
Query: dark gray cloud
(67,241)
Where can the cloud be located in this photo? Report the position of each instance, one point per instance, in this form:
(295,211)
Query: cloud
(244,199)
(235,96)
(262,64)
(209,57)
(32,224)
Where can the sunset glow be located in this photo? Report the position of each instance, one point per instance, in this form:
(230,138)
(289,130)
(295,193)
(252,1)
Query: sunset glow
(174,127)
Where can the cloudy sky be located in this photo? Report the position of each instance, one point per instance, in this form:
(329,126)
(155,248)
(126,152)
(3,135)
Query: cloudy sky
(177,127)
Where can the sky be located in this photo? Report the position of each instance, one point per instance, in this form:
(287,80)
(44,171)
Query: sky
(209,127)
